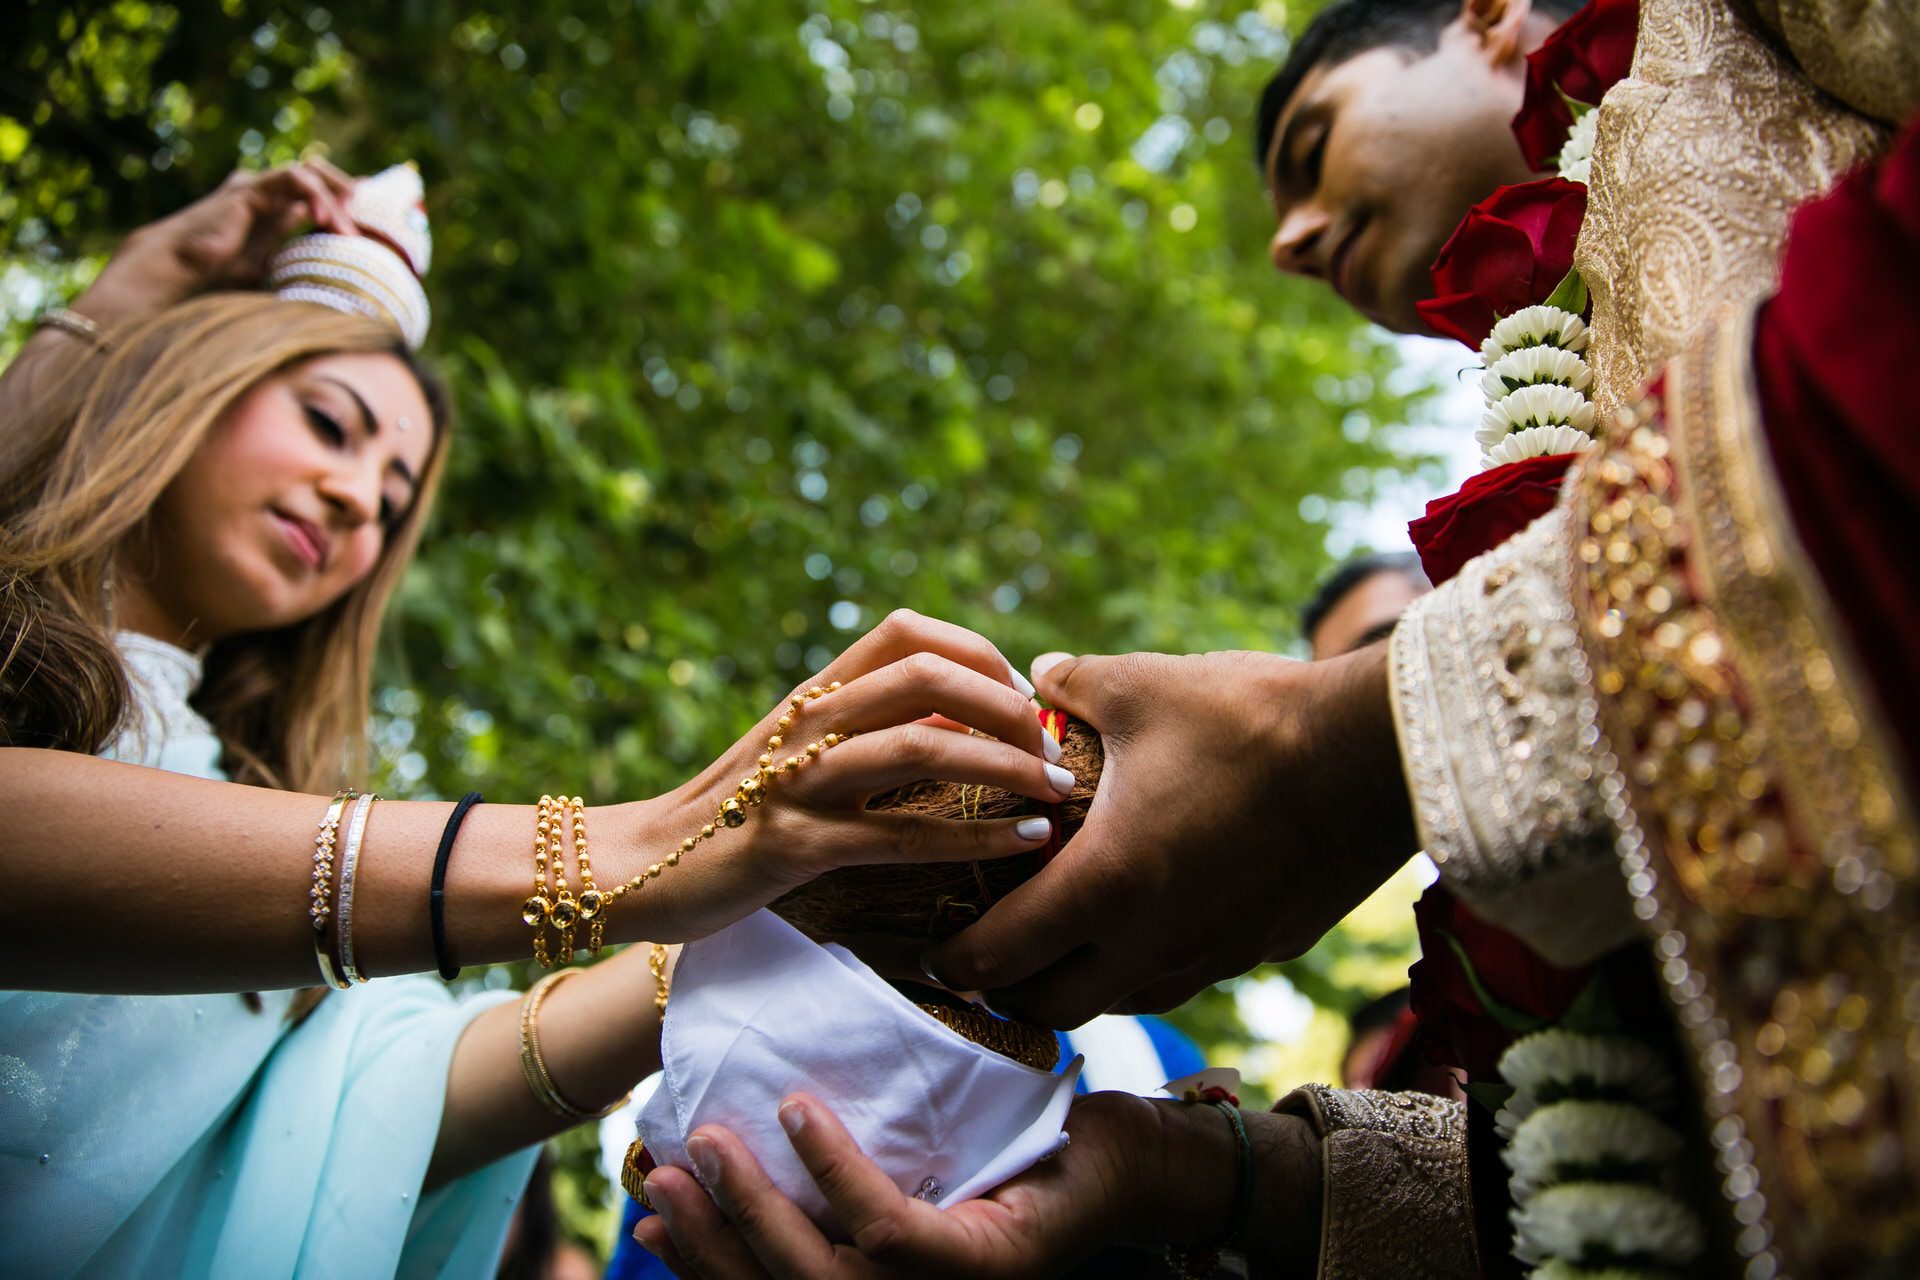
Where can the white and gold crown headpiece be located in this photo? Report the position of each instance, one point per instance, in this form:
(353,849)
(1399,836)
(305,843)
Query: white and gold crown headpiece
(376,273)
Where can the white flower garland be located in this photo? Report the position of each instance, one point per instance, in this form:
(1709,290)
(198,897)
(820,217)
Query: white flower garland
(1575,160)
(1561,1064)
(1540,326)
(1619,1222)
(1568,1140)
(1588,1156)
(1536,350)
(1532,367)
(1536,387)
(1559,1269)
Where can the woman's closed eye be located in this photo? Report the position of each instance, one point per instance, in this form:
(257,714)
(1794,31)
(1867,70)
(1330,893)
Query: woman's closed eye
(328,428)
(326,425)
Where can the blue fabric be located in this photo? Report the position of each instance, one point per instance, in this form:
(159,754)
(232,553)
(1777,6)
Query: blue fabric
(190,1135)
(1179,1056)
(630,1261)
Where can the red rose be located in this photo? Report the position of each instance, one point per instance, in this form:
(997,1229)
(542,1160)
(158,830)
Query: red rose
(1510,252)
(1457,1027)
(1488,509)
(1585,56)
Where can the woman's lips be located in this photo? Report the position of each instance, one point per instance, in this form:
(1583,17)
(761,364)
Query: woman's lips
(308,543)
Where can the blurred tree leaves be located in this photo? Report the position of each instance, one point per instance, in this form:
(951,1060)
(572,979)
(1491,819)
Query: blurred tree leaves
(764,318)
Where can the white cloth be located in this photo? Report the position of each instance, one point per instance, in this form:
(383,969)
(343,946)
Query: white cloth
(162,730)
(760,1011)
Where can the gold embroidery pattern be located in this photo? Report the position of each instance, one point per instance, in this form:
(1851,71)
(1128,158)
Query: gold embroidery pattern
(1397,1199)
(1495,750)
(1701,156)
(1760,841)
(1864,52)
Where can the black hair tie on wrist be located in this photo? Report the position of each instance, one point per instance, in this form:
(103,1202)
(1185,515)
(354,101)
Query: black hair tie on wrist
(437,895)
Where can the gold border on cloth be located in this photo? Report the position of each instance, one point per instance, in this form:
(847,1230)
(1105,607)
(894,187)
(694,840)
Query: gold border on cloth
(1764,839)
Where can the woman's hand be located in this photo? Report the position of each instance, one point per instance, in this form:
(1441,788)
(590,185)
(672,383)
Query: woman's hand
(908,693)
(1056,1213)
(222,241)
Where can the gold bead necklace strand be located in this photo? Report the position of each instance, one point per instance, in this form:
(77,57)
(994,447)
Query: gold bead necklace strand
(565,913)
(591,899)
(538,907)
(753,789)
(561,911)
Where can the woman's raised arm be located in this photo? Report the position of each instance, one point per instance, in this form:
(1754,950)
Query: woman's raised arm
(221,241)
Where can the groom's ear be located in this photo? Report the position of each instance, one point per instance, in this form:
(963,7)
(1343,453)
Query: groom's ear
(1498,26)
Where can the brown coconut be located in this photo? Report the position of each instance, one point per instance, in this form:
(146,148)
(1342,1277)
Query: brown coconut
(888,913)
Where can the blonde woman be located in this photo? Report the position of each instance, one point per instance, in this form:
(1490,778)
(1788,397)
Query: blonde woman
(205,503)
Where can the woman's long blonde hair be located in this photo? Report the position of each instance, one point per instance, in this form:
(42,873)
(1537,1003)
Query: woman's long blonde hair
(79,471)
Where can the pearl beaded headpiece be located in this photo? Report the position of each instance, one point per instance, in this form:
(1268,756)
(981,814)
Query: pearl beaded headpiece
(376,273)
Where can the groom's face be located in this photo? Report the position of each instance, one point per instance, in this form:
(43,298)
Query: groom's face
(1376,159)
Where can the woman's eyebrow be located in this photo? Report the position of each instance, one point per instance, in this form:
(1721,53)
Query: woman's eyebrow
(368,423)
(371,425)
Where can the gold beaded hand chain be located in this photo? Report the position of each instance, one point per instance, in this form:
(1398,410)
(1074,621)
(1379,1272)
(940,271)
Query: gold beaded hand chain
(560,912)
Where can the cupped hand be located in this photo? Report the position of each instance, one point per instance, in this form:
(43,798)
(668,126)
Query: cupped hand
(1247,803)
(897,708)
(224,240)
(1094,1192)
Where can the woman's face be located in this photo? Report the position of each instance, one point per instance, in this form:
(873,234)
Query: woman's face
(289,500)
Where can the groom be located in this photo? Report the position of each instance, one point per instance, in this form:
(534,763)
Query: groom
(1367,135)
(1249,801)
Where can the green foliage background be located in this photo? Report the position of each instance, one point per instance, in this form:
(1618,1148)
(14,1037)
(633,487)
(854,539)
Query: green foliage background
(765,317)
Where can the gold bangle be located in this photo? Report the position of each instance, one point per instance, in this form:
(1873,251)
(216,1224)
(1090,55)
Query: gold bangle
(534,1066)
(343,892)
(74,325)
(319,904)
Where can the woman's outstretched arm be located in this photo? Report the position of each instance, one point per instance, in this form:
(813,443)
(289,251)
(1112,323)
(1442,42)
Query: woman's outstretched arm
(122,879)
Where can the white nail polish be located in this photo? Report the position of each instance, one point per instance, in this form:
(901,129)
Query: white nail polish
(1062,780)
(1032,828)
(1049,747)
(1021,684)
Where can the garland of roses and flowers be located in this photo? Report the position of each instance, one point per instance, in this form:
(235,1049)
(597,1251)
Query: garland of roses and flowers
(1584,1109)
(1504,282)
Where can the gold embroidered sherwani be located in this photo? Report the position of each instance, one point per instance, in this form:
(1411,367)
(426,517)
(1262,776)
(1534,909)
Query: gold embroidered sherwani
(1637,721)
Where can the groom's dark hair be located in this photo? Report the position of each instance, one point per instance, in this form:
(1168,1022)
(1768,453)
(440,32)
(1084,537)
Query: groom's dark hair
(1348,28)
